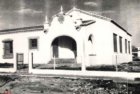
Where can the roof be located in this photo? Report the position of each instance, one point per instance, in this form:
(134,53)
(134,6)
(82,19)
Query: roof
(23,29)
(100,17)
(41,27)
(89,13)
(120,27)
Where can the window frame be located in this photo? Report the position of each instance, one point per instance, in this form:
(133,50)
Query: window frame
(8,50)
(129,49)
(120,43)
(115,43)
(126,48)
(30,43)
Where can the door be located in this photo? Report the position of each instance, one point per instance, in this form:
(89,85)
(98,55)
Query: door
(20,60)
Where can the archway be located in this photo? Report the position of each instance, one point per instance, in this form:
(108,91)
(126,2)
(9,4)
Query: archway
(64,47)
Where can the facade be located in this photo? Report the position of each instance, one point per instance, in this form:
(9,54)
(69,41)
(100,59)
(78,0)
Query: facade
(84,38)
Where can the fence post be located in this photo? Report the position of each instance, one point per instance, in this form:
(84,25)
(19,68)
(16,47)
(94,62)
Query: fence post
(83,64)
(116,63)
(54,63)
(15,64)
(32,57)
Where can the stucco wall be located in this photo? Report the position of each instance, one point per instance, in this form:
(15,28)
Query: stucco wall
(99,52)
(66,29)
(118,56)
(101,46)
(102,50)
(21,45)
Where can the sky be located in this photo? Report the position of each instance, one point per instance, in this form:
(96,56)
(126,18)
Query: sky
(24,13)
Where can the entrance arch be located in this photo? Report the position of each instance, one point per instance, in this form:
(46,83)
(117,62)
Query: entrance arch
(64,47)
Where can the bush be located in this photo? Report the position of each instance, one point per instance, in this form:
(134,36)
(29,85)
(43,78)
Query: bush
(102,68)
(6,65)
(136,59)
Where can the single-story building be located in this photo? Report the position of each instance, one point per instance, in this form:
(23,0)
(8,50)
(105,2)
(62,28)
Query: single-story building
(76,38)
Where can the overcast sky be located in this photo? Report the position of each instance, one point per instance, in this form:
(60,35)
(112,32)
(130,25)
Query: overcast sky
(21,13)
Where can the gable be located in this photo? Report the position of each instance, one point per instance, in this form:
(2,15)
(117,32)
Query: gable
(86,17)
(94,16)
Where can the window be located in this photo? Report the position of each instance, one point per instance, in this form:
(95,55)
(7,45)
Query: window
(120,40)
(129,46)
(125,45)
(8,49)
(115,42)
(90,38)
(33,43)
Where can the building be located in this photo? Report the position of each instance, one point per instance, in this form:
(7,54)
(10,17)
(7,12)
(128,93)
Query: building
(76,38)
(136,53)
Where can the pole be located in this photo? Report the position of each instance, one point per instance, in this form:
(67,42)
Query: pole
(83,60)
(32,59)
(54,63)
(116,63)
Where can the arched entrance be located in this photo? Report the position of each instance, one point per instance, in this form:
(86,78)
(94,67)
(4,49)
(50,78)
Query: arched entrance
(64,47)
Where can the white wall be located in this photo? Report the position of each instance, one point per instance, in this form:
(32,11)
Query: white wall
(121,57)
(21,45)
(100,52)
(101,43)
(66,29)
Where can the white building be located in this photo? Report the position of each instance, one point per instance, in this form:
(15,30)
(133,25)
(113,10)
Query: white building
(79,36)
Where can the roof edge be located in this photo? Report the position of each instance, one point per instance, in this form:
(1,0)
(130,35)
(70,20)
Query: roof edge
(99,16)
(89,13)
(112,21)
(22,29)
(41,27)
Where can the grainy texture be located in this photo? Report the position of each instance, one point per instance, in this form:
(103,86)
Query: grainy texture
(57,85)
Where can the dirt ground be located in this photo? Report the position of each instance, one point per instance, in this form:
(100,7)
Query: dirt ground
(60,85)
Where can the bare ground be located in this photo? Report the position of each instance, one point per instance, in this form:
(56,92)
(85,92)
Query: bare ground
(60,85)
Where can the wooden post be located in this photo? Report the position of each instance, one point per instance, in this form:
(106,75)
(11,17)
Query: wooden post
(116,63)
(84,56)
(17,61)
(54,63)
(15,64)
(83,64)
(32,57)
